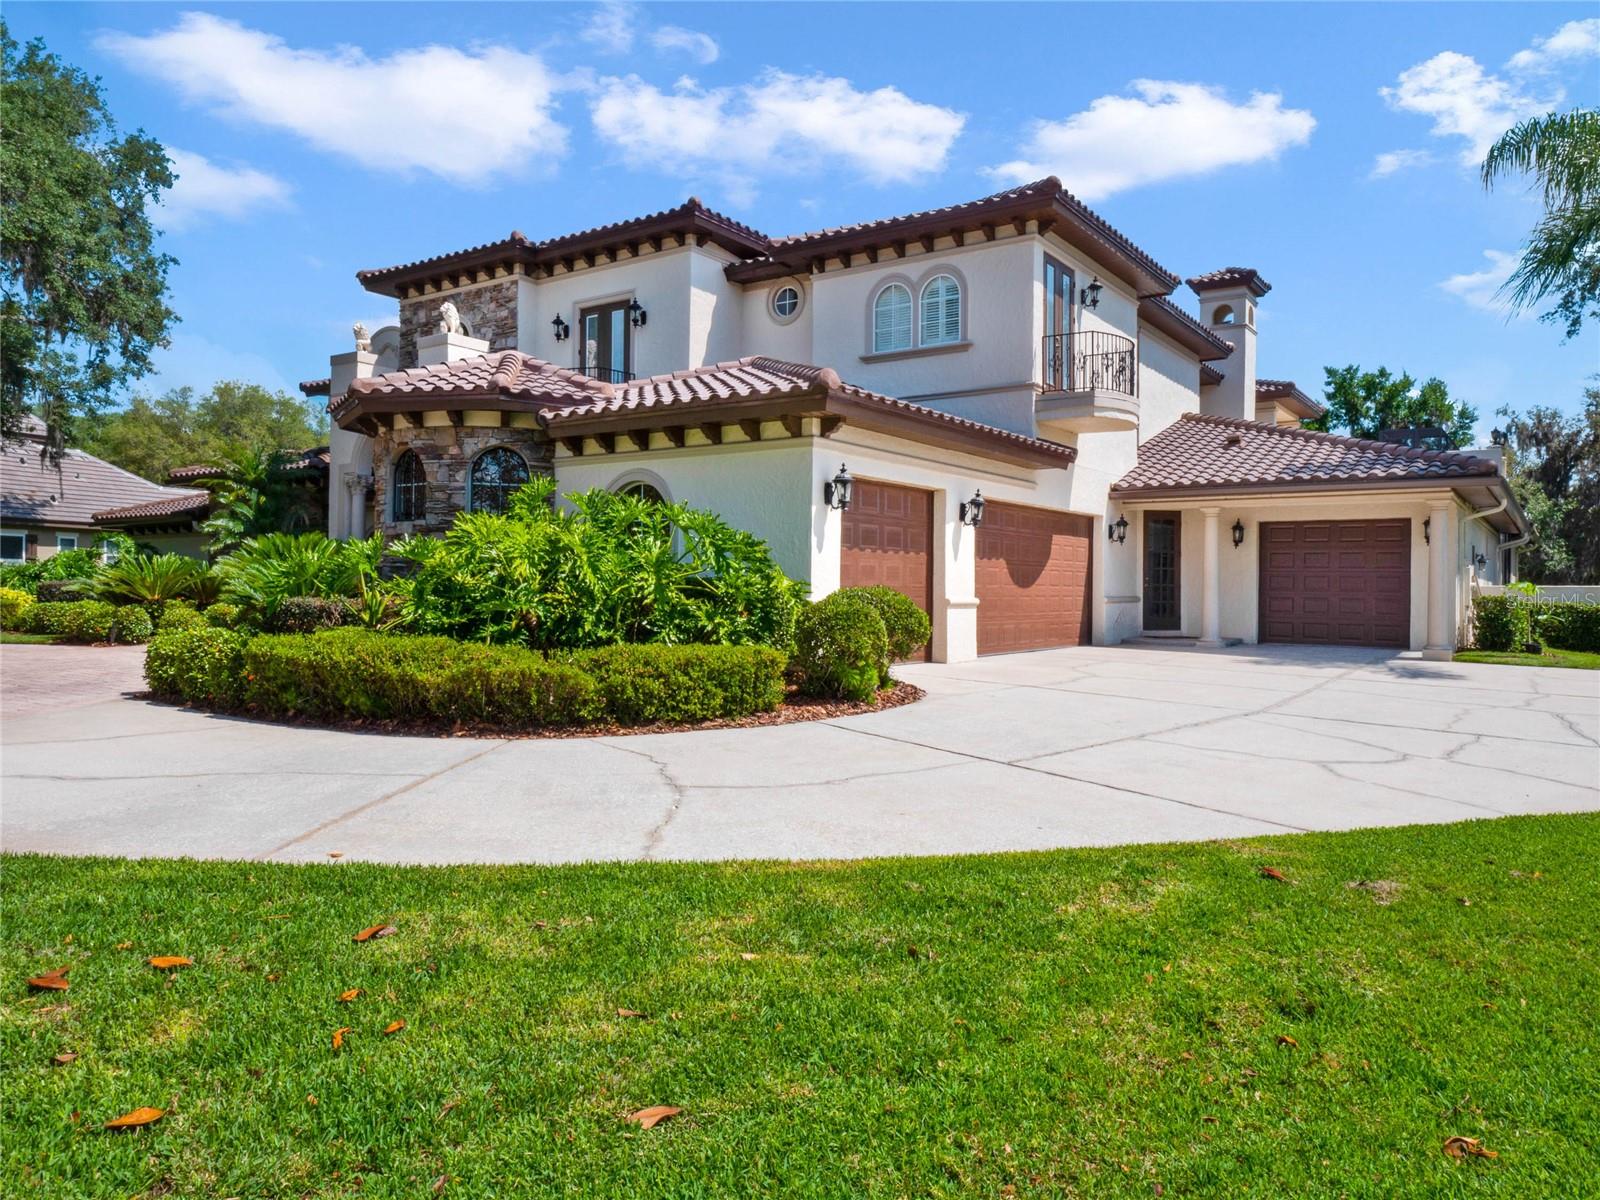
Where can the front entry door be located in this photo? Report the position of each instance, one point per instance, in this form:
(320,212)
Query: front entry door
(1163,610)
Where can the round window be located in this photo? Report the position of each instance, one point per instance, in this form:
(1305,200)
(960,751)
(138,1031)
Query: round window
(786,302)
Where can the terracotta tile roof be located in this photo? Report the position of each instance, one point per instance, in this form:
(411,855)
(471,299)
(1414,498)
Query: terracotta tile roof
(1230,277)
(316,458)
(1285,391)
(315,387)
(508,374)
(33,493)
(193,505)
(1202,452)
(1171,320)
(1209,375)
(1039,189)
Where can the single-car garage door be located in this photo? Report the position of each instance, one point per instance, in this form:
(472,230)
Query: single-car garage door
(888,540)
(1344,583)
(1033,578)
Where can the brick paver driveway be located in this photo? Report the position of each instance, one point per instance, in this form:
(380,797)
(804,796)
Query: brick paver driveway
(1090,746)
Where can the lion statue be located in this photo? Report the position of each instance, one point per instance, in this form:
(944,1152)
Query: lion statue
(363,338)
(450,319)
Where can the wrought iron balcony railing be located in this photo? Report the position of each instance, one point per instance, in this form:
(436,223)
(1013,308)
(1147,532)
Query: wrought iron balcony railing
(606,374)
(1091,359)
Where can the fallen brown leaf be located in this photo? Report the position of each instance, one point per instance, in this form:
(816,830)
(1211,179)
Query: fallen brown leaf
(748,957)
(335,853)
(348,995)
(1274,873)
(438,1184)
(648,1118)
(165,962)
(311,1100)
(1460,1147)
(393,1027)
(338,1036)
(1285,1040)
(375,931)
(136,1118)
(64,1058)
(628,1012)
(51,981)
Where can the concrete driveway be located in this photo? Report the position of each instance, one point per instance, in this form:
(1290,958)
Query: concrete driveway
(1091,746)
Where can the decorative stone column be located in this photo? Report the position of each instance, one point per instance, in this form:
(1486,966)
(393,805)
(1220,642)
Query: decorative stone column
(1211,580)
(358,485)
(1441,642)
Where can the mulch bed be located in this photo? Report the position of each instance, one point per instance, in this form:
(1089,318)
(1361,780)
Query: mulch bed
(794,709)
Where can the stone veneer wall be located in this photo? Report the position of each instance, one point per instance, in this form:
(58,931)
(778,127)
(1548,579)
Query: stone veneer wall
(447,453)
(489,310)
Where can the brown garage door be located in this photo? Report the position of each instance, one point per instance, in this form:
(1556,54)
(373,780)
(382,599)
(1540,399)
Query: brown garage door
(1345,583)
(1033,579)
(888,540)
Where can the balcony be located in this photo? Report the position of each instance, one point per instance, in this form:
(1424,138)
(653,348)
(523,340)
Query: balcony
(605,374)
(1090,382)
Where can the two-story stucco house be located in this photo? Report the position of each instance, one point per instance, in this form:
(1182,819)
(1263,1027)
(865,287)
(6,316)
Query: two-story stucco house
(1136,477)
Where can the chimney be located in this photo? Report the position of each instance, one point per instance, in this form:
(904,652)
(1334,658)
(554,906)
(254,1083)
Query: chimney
(349,452)
(451,340)
(1228,308)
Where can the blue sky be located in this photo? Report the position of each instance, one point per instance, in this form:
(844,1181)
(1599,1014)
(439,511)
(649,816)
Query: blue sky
(1326,145)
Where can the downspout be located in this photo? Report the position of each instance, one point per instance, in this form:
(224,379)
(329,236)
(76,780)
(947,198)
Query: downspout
(1493,510)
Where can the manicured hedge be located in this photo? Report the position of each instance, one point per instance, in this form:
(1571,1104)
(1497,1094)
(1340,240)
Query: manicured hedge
(907,625)
(223,615)
(202,667)
(308,614)
(645,683)
(14,603)
(61,591)
(133,624)
(841,647)
(1509,622)
(175,614)
(87,621)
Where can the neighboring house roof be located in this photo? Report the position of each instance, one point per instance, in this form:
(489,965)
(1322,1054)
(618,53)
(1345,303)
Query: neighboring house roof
(34,493)
(1163,314)
(1202,455)
(314,459)
(570,405)
(691,218)
(189,507)
(1284,391)
(315,387)
(768,258)
(1230,277)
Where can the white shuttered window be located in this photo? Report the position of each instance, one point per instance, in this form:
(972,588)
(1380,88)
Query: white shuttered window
(941,311)
(891,319)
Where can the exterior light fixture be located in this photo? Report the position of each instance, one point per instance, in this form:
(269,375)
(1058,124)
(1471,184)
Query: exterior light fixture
(972,510)
(1427,539)
(1238,533)
(561,327)
(1117,531)
(1478,558)
(1089,297)
(836,491)
(1498,437)
(636,314)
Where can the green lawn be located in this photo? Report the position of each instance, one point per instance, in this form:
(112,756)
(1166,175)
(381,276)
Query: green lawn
(1088,1023)
(1579,659)
(7,637)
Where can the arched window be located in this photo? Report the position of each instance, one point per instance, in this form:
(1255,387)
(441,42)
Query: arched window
(496,474)
(941,311)
(891,319)
(642,491)
(410,488)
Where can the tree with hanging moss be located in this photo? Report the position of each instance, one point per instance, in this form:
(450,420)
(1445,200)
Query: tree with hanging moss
(83,290)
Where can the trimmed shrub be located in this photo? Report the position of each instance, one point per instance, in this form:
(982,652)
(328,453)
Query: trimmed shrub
(1509,623)
(1500,623)
(1568,626)
(175,614)
(644,683)
(841,647)
(907,625)
(308,614)
(62,591)
(358,673)
(133,624)
(222,616)
(91,621)
(48,617)
(14,604)
(196,666)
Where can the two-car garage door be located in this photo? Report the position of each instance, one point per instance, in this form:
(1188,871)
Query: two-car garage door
(1345,583)
(1032,570)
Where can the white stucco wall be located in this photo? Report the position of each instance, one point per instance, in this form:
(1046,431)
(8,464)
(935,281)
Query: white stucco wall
(763,333)
(661,283)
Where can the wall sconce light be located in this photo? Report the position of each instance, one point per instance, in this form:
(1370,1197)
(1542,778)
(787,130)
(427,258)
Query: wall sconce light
(1427,538)
(1499,437)
(1117,531)
(836,491)
(972,510)
(1238,533)
(636,313)
(561,328)
(1478,559)
(1089,297)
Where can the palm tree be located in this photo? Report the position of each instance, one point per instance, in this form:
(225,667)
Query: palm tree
(251,496)
(1562,258)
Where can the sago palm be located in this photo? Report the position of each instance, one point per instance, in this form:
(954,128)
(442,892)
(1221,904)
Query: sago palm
(1561,261)
(147,579)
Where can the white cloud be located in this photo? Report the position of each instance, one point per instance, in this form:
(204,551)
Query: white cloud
(1391,162)
(700,46)
(1463,100)
(463,115)
(1167,130)
(1574,40)
(612,27)
(204,188)
(779,124)
(1481,289)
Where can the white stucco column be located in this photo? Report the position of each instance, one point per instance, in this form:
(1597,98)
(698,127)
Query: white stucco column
(348,451)
(1211,579)
(356,485)
(1441,592)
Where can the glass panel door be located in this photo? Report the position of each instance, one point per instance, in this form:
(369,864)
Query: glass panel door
(1162,550)
(1057,323)
(605,352)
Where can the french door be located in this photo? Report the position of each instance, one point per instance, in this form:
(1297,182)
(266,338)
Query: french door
(1163,546)
(605,352)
